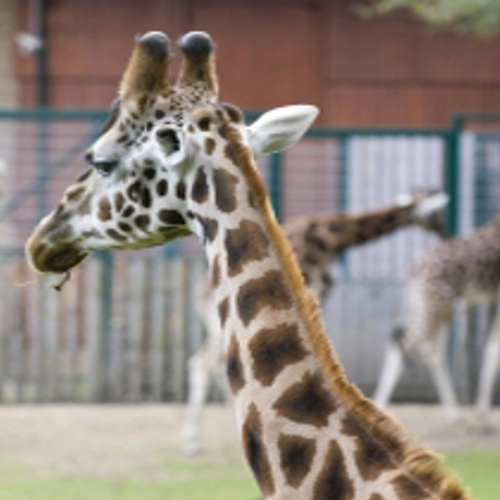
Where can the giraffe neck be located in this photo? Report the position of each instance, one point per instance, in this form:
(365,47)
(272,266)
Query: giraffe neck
(350,230)
(306,432)
(318,240)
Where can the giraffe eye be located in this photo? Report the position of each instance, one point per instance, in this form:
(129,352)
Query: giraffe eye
(169,140)
(105,168)
(102,167)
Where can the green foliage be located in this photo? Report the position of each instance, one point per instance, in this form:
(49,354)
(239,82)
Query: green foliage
(479,17)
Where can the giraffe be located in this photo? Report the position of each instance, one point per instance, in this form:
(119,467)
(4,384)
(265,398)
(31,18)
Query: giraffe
(317,240)
(464,268)
(173,161)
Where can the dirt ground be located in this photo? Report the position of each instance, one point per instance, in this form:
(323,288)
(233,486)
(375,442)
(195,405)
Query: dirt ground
(136,441)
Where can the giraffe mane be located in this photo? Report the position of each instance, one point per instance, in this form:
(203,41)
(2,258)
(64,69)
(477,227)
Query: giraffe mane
(419,462)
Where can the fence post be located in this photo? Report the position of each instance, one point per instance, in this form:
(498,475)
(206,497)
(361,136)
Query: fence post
(276,183)
(452,186)
(101,357)
(452,180)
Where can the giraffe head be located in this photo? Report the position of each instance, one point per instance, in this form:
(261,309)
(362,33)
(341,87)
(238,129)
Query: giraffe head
(142,179)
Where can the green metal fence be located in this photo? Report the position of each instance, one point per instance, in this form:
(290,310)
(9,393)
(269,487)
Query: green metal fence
(101,340)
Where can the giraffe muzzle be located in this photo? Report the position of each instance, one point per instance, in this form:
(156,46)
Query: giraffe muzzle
(46,259)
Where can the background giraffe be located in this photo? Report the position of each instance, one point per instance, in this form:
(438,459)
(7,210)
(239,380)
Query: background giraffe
(317,240)
(465,268)
(175,156)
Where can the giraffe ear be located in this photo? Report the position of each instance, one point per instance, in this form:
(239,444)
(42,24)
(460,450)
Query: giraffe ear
(280,128)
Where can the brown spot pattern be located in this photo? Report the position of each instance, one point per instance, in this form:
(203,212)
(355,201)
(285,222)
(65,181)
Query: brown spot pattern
(104,212)
(273,349)
(181,190)
(76,193)
(408,488)
(123,226)
(216,272)
(296,456)
(270,290)
(119,201)
(210,227)
(128,211)
(209,145)
(307,401)
(234,366)
(251,199)
(199,191)
(225,190)
(84,176)
(245,244)
(162,187)
(371,457)
(115,235)
(134,191)
(171,217)
(333,480)
(376,496)
(204,124)
(234,114)
(150,173)
(142,222)
(256,452)
(223,309)
(146,197)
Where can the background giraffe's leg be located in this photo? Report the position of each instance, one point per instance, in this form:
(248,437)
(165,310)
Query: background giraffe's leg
(489,369)
(433,352)
(391,372)
(198,383)
(205,365)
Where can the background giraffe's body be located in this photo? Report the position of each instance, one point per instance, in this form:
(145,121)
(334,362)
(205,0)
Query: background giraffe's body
(317,240)
(307,433)
(465,268)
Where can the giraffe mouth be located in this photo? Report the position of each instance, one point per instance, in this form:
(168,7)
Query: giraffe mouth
(60,260)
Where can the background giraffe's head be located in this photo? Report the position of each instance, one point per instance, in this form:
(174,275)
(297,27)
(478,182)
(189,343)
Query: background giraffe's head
(135,195)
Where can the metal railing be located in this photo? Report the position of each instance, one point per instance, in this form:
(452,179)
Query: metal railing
(111,358)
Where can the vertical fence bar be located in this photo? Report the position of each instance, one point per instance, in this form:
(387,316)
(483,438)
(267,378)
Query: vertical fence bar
(136,329)
(343,190)
(158,330)
(276,183)
(99,324)
(452,184)
(452,174)
(177,328)
(104,326)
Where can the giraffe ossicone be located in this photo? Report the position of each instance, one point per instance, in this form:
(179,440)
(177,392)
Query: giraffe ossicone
(173,161)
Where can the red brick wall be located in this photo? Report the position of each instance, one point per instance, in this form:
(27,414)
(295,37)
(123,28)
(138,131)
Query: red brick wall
(388,71)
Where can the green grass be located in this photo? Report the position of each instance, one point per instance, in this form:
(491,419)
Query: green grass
(479,471)
(199,480)
(100,489)
(188,480)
